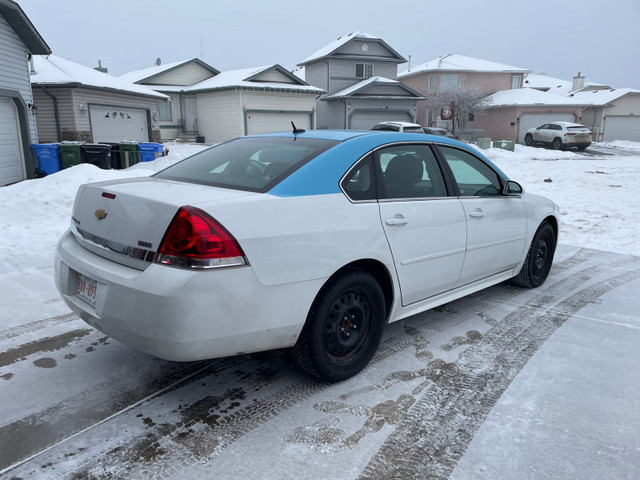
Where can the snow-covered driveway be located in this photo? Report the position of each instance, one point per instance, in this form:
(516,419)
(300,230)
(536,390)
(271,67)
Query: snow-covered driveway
(506,383)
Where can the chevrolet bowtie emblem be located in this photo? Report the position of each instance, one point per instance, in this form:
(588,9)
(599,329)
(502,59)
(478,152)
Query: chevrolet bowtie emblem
(100,214)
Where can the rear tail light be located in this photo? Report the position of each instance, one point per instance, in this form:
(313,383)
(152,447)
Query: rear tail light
(194,239)
(569,133)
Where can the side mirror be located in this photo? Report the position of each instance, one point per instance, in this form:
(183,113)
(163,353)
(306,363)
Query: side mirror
(512,188)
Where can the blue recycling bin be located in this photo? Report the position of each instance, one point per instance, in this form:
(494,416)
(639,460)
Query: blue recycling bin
(48,155)
(148,151)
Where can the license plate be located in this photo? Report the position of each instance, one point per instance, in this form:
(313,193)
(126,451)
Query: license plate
(87,289)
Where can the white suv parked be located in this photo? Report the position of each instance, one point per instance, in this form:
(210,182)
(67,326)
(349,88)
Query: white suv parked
(559,135)
(398,127)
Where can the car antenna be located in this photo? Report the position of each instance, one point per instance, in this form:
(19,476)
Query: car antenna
(297,130)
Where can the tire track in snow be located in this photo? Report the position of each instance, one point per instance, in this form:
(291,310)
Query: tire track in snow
(435,434)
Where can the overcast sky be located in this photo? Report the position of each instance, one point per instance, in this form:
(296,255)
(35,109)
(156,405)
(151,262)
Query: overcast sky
(599,38)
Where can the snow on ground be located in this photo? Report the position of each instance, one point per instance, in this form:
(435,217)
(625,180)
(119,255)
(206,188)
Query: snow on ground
(597,196)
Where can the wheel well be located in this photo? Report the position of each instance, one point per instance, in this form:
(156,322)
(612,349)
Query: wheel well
(553,221)
(379,272)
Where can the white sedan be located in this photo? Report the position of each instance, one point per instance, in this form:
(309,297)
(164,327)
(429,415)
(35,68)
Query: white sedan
(311,240)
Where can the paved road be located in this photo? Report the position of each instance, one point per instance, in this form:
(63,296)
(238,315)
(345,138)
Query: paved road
(75,404)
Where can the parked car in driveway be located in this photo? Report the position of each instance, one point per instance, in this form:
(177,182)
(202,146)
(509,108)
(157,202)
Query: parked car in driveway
(438,131)
(559,135)
(398,127)
(312,240)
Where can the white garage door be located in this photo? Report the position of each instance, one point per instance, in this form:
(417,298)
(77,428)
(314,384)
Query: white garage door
(11,159)
(531,120)
(267,122)
(366,120)
(621,128)
(116,124)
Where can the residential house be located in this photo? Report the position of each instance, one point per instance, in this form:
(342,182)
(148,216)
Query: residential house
(217,106)
(20,40)
(359,74)
(79,103)
(453,73)
(512,112)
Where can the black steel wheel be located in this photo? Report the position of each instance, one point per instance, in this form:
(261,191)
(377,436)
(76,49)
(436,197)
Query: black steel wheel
(528,140)
(343,328)
(557,144)
(539,258)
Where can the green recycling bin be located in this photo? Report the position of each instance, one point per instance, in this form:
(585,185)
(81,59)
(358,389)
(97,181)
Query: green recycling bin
(129,154)
(70,153)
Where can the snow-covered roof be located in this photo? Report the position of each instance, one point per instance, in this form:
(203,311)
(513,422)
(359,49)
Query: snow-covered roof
(53,70)
(462,63)
(527,96)
(149,72)
(245,78)
(345,92)
(22,26)
(333,46)
(599,98)
(557,85)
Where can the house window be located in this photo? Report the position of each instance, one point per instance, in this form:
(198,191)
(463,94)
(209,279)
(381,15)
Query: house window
(164,108)
(515,81)
(449,82)
(432,83)
(364,70)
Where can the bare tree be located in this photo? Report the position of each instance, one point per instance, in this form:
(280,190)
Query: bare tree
(468,101)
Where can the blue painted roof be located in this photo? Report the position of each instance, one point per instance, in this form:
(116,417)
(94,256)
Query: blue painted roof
(322,174)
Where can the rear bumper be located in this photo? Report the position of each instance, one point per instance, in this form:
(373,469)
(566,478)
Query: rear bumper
(184,315)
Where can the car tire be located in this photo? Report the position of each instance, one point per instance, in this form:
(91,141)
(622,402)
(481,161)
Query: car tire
(539,259)
(557,144)
(343,328)
(528,140)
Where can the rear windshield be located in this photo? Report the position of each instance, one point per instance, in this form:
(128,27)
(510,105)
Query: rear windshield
(580,127)
(254,164)
(413,129)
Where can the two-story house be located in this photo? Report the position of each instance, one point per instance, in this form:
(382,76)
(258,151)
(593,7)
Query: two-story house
(455,72)
(20,40)
(359,73)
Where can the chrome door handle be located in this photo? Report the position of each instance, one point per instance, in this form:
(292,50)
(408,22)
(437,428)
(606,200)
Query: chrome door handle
(396,221)
(477,214)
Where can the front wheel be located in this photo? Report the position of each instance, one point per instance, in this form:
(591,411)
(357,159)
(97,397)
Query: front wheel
(528,140)
(343,328)
(539,258)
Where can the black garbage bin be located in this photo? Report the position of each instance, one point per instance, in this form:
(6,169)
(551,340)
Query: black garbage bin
(116,160)
(97,153)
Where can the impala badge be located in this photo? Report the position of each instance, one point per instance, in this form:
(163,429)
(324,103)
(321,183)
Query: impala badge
(100,214)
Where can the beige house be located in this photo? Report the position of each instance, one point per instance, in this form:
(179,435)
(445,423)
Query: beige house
(512,112)
(454,72)
(213,106)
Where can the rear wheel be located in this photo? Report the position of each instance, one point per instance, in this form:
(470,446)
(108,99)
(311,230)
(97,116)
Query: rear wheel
(557,144)
(343,328)
(528,140)
(581,147)
(539,258)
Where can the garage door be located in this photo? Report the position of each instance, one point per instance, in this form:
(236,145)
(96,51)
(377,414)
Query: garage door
(267,122)
(366,120)
(11,159)
(531,120)
(621,128)
(115,124)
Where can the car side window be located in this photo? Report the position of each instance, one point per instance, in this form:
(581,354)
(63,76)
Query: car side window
(359,183)
(409,171)
(473,176)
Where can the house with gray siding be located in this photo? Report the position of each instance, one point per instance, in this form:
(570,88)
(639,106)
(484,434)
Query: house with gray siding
(19,40)
(358,72)
(76,102)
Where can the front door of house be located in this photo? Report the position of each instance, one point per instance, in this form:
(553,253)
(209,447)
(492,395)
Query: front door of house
(190,114)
